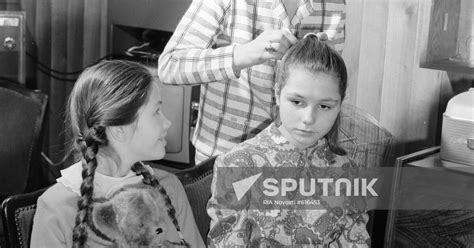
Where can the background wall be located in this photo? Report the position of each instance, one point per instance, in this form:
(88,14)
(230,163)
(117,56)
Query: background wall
(385,45)
(386,42)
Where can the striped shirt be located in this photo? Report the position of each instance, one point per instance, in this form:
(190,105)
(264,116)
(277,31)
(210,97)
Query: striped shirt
(235,106)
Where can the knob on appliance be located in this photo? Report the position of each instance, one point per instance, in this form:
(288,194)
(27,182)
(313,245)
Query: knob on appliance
(9,43)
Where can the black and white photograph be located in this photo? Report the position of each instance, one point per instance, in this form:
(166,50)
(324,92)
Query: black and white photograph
(237,123)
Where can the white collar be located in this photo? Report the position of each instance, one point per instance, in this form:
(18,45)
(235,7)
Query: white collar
(104,186)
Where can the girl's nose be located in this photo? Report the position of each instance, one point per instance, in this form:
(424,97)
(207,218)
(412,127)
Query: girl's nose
(166,123)
(309,116)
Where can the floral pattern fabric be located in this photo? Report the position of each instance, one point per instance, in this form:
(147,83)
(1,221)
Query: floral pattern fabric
(340,223)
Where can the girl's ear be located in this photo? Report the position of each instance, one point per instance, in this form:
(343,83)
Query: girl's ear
(118,133)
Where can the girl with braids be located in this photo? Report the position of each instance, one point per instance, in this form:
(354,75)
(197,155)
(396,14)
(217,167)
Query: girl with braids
(115,119)
(311,81)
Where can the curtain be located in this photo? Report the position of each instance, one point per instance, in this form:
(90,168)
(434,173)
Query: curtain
(62,37)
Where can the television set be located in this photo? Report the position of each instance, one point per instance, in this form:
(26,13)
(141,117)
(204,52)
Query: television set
(138,30)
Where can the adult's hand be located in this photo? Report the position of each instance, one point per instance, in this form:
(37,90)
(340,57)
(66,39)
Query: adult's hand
(271,44)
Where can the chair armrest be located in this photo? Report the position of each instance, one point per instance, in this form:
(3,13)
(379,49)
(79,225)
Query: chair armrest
(17,217)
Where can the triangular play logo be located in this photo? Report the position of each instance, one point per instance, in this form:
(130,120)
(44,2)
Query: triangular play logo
(242,186)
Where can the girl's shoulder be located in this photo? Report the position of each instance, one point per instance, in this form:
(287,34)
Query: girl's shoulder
(346,161)
(166,179)
(161,174)
(252,152)
(336,160)
(173,186)
(58,196)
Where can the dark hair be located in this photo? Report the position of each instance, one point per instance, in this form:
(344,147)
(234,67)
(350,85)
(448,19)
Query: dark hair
(109,93)
(315,56)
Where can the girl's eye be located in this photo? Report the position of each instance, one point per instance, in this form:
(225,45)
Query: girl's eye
(296,102)
(325,107)
(159,230)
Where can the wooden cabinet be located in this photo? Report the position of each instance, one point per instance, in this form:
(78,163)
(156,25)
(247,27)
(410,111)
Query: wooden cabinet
(451,36)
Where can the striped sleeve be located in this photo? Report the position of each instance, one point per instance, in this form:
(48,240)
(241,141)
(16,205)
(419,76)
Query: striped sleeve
(339,36)
(329,16)
(191,56)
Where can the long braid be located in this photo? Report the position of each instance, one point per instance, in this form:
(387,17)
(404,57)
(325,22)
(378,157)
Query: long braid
(89,146)
(149,179)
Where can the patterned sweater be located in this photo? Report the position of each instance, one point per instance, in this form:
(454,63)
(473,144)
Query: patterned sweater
(340,222)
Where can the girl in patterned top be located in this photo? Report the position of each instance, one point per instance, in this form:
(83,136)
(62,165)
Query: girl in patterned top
(310,87)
